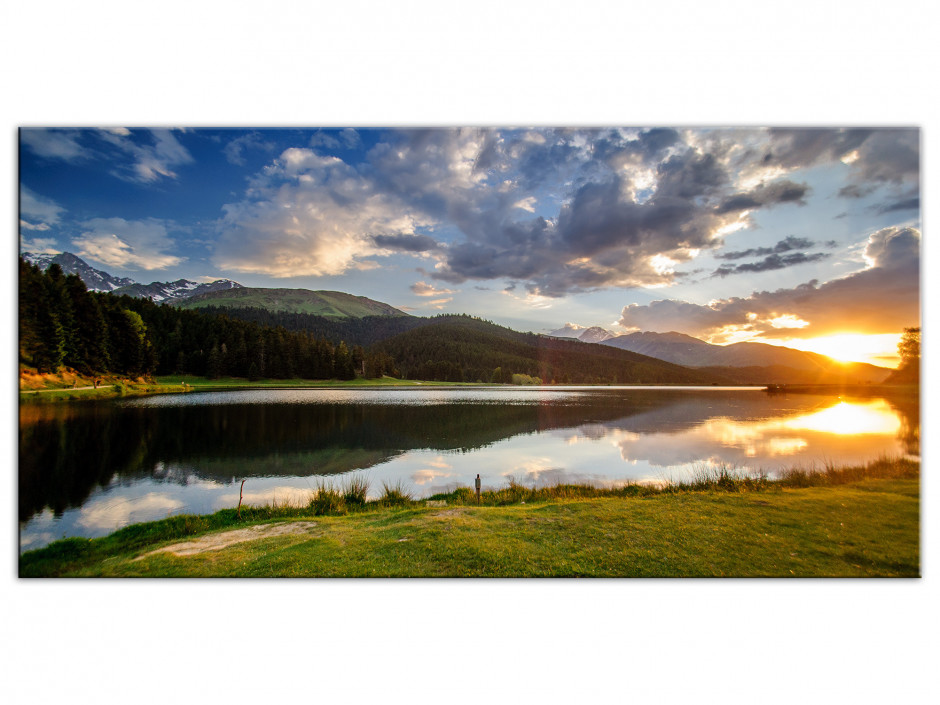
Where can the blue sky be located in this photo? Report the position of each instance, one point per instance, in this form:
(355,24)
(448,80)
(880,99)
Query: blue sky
(728,234)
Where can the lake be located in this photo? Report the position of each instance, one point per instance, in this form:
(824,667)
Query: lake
(89,468)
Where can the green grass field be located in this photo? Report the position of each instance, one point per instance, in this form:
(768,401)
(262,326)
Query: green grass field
(869,526)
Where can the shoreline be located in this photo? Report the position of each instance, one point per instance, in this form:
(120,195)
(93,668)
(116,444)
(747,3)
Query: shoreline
(881,501)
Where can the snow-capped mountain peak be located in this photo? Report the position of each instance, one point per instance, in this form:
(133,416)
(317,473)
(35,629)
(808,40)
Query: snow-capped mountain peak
(97,280)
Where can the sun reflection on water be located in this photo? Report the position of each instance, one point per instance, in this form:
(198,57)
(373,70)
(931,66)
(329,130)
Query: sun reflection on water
(850,418)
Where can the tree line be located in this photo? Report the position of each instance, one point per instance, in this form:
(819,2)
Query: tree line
(62,324)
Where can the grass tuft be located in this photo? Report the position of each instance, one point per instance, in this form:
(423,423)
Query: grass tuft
(327,500)
(395,495)
(355,491)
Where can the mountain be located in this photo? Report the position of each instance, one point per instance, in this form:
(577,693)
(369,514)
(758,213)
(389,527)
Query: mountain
(674,347)
(463,348)
(770,359)
(94,279)
(594,334)
(172,292)
(331,304)
(97,280)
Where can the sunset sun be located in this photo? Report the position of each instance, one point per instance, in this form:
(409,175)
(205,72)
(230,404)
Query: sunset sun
(853,347)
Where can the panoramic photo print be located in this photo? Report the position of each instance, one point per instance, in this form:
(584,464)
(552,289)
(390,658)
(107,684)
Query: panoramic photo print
(646,351)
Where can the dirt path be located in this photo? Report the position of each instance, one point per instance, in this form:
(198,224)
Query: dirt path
(216,542)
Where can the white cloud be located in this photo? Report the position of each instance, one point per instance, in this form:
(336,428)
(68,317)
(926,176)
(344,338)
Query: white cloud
(40,245)
(42,211)
(150,162)
(252,140)
(424,289)
(53,144)
(140,244)
(110,513)
(309,215)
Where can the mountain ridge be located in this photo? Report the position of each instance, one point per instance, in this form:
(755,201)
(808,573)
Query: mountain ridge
(330,304)
(99,280)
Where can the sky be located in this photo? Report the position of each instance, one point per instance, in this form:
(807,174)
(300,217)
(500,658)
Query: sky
(808,237)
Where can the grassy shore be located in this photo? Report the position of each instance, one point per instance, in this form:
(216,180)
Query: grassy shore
(71,386)
(205,384)
(840,522)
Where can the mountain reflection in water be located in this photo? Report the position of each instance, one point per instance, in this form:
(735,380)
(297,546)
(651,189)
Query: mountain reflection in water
(89,468)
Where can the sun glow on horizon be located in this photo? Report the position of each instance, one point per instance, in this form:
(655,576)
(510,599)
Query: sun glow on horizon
(881,350)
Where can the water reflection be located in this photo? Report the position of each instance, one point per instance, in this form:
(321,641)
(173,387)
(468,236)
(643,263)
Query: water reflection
(86,469)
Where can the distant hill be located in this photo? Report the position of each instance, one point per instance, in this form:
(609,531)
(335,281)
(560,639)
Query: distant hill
(462,348)
(784,362)
(331,304)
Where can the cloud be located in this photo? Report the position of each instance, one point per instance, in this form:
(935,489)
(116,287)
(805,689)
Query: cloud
(312,215)
(788,244)
(875,156)
(569,330)
(336,139)
(42,212)
(765,195)
(882,298)
(769,263)
(235,148)
(53,144)
(423,289)
(907,204)
(406,243)
(151,160)
(40,245)
(559,211)
(132,244)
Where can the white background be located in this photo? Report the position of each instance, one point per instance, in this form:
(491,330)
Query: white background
(426,62)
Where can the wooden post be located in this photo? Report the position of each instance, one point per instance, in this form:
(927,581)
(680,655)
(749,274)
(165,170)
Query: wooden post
(241,489)
(477,482)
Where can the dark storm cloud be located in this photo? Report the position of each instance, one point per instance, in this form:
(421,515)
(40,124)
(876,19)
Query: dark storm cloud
(769,263)
(855,191)
(908,204)
(690,175)
(765,195)
(788,244)
(880,299)
(890,155)
(602,236)
(614,149)
(406,243)
(653,142)
(796,147)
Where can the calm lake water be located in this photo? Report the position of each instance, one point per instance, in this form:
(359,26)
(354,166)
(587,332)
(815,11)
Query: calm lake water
(87,469)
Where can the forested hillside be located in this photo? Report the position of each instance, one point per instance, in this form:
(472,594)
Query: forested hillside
(363,331)
(463,348)
(62,324)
